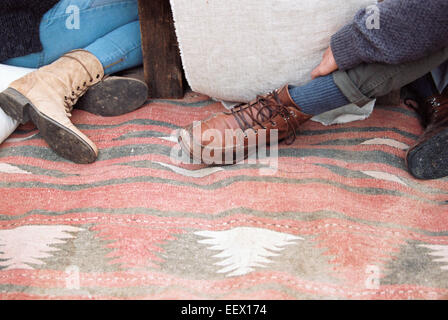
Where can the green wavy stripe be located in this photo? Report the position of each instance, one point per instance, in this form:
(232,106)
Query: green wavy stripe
(341,142)
(145,122)
(365,129)
(278,216)
(346,155)
(105,154)
(147,149)
(141,134)
(347,173)
(401,110)
(179,103)
(214,186)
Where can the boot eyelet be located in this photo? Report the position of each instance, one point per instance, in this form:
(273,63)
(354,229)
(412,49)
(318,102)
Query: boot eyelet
(274,123)
(97,76)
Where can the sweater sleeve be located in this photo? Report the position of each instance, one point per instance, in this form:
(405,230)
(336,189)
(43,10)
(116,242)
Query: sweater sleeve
(408,30)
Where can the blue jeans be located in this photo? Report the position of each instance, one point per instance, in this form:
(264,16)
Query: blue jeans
(109,29)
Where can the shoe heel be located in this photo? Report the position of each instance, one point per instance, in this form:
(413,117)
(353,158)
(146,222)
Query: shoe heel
(15,105)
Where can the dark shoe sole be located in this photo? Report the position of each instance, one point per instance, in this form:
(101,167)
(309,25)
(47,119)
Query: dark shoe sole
(429,160)
(62,140)
(114,96)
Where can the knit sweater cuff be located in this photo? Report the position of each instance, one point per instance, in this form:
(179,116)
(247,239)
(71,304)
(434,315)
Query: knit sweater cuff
(344,50)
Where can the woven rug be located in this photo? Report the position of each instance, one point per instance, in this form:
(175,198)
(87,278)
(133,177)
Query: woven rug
(340,219)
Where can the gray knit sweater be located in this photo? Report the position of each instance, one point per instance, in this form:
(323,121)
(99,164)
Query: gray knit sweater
(409,30)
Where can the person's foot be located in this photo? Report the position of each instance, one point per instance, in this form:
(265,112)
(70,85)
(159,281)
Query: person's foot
(47,96)
(230,137)
(428,158)
(114,96)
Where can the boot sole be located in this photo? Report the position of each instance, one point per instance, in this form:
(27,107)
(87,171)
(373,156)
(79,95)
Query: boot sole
(429,160)
(114,96)
(62,140)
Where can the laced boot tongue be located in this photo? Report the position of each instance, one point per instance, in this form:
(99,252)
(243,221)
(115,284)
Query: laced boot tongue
(255,112)
(265,110)
(82,82)
(72,97)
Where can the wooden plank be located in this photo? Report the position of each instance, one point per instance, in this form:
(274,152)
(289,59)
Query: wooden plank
(161,56)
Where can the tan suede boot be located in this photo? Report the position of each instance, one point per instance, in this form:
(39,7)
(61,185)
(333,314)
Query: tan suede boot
(46,97)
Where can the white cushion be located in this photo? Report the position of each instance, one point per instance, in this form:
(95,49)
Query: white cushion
(235,49)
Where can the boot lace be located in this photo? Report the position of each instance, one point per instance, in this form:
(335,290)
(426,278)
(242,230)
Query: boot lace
(264,109)
(71,99)
(437,109)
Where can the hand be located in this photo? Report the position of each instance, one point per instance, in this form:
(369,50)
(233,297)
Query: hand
(327,66)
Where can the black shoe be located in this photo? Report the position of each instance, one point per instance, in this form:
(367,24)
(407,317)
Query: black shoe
(428,158)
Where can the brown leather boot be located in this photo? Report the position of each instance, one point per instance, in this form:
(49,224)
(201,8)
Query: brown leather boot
(428,158)
(47,95)
(230,137)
